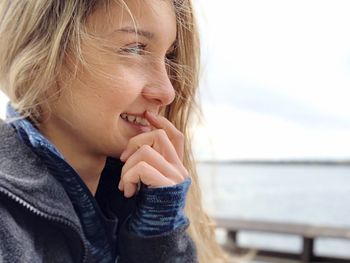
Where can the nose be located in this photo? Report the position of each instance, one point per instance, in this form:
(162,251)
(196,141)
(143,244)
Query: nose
(159,87)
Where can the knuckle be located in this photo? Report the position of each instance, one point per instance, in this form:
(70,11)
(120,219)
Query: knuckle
(179,135)
(141,166)
(127,179)
(145,149)
(161,133)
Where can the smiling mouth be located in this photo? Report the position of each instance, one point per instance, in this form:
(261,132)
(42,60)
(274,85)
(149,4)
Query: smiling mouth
(135,119)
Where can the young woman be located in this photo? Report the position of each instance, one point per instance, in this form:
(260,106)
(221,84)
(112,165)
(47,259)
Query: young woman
(95,156)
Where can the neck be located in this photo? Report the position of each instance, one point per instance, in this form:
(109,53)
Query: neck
(89,166)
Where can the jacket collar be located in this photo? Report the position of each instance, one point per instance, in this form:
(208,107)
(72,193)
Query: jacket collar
(29,132)
(23,174)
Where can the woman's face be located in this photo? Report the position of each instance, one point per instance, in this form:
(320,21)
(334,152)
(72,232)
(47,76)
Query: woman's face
(127,79)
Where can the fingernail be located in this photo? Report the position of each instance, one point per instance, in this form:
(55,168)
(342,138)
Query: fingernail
(122,157)
(152,114)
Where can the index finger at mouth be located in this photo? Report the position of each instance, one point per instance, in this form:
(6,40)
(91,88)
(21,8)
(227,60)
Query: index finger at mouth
(175,136)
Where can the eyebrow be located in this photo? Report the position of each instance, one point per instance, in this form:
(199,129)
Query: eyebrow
(140,32)
(144,33)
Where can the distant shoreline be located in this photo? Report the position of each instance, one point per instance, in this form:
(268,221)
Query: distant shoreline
(277,162)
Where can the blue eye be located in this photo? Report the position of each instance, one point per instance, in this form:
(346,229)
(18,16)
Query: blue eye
(136,49)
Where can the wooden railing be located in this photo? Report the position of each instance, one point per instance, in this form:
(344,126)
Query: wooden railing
(308,233)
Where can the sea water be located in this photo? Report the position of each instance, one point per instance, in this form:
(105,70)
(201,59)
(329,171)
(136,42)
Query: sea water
(288,193)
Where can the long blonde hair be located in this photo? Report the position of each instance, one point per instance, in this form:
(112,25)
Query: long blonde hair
(34,38)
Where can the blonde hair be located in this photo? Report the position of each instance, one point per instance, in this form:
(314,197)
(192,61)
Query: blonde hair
(34,38)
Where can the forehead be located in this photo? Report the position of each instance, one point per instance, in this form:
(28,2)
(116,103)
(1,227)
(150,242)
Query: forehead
(155,16)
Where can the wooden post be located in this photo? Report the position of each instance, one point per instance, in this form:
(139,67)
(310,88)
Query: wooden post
(308,250)
(232,235)
(232,240)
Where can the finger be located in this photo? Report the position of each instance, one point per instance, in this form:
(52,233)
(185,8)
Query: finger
(145,173)
(157,139)
(147,154)
(175,136)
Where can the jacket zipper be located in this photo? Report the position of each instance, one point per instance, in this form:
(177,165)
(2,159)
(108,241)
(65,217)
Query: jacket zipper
(37,212)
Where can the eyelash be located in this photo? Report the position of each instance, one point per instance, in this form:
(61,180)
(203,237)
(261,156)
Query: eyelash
(134,47)
(139,49)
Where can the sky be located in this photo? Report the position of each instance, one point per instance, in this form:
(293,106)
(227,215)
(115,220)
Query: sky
(275,80)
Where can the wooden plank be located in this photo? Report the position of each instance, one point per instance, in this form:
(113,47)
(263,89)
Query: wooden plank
(304,230)
(279,256)
(319,259)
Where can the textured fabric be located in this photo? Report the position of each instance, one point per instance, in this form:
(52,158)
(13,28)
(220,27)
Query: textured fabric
(39,223)
(37,220)
(92,220)
(19,243)
(172,247)
(160,209)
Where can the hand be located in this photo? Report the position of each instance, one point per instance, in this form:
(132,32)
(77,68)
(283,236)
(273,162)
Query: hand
(153,158)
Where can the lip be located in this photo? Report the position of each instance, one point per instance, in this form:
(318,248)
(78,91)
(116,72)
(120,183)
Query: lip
(142,115)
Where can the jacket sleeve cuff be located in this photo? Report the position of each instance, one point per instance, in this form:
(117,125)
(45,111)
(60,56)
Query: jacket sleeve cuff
(171,247)
(160,210)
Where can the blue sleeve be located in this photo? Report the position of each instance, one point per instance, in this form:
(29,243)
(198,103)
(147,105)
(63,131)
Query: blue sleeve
(172,247)
(160,210)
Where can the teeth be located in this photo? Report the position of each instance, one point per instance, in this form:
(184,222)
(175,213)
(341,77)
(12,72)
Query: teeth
(135,119)
(131,118)
(144,122)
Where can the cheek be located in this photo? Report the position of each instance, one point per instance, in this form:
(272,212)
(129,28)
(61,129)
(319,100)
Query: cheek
(111,101)
(113,87)
(125,87)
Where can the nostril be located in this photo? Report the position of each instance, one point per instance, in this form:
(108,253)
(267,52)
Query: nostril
(159,95)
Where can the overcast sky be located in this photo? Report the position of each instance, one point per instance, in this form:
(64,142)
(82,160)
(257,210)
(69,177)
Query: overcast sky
(276,79)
